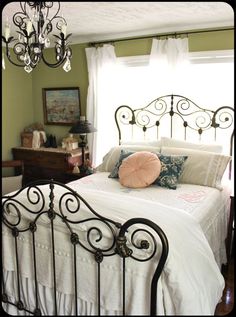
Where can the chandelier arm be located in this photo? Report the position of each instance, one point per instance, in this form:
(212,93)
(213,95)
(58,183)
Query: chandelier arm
(59,63)
(34,25)
(47,12)
(21,25)
(34,61)
(56,15)
(47,20)
(19,65)
(23,8)
(9,56)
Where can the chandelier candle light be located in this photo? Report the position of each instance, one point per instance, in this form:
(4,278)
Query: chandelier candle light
(35,23)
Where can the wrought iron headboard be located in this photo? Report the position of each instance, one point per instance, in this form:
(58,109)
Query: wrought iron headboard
(65,207)
(178,117)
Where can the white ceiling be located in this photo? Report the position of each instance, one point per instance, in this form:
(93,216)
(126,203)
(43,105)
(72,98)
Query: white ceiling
(98,21)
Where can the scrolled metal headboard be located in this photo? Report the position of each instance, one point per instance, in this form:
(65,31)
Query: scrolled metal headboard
(178,117)
(170,114)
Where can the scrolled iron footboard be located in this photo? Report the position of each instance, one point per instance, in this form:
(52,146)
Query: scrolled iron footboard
(42,200)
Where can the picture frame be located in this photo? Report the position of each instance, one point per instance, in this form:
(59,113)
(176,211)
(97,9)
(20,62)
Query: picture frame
(61,106)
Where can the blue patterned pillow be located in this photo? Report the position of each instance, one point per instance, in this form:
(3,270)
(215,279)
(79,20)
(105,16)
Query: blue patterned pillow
(171,169)
(123,155)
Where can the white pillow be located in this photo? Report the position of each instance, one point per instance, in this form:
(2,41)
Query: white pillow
(169,142)
(201,167)
(112,157)
(141,142)
(11,184)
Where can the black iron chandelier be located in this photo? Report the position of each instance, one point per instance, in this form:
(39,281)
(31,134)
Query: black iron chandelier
(35,23)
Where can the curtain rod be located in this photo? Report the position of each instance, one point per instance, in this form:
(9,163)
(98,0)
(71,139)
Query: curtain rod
(159,35)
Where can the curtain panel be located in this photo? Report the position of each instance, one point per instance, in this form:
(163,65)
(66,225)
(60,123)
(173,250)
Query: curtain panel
(169,60)
(100,99)
(168,63)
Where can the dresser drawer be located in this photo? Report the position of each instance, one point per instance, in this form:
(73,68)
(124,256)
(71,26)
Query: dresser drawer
(51,160)
(42,158)
(24,154)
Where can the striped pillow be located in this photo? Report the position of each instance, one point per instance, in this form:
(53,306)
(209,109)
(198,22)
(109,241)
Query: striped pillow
(201,167)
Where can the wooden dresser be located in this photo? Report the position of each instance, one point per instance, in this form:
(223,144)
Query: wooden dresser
(48,163)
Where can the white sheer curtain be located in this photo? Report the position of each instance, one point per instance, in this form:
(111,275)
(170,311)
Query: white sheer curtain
(169,61)
(102,90)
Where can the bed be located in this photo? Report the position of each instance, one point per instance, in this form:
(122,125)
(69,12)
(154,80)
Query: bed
(99,246)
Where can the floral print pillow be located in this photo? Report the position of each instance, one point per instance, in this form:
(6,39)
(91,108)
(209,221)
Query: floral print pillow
(123,154)
(171,169)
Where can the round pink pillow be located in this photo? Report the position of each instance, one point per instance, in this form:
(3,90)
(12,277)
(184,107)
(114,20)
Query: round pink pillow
(139,169)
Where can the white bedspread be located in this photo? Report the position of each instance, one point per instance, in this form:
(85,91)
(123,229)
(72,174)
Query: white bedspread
(191,283)
(209,206)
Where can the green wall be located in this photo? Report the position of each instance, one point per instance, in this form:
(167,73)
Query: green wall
(17,106)
(22,92)
(45,77)
(210,41)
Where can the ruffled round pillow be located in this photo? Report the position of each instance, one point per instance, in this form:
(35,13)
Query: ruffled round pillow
(139,170)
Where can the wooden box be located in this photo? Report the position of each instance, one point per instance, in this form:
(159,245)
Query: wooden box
(27,139)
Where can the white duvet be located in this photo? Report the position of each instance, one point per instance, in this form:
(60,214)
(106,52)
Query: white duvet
(191,283)
(209,206)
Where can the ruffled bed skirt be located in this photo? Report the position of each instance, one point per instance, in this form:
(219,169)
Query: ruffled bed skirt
(65,302)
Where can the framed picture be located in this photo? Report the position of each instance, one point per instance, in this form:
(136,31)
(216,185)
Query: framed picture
(61,105)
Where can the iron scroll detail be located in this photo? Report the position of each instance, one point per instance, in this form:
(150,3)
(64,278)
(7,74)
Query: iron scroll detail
(65,208)
(102,238)
(174,116)
(125,250)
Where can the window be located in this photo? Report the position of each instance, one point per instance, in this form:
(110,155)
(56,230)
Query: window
(208,81)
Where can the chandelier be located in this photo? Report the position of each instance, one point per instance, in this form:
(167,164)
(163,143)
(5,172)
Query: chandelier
(35,23)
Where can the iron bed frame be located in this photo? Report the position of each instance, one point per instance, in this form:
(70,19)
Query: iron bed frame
(62,211)
(180,113)
(151,116)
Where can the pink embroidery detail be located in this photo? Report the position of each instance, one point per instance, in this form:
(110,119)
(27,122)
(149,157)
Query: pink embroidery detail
(193,197)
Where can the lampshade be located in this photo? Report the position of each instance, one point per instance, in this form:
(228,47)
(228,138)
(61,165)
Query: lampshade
(82,127)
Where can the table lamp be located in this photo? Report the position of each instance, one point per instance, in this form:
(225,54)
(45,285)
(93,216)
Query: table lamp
(82,127)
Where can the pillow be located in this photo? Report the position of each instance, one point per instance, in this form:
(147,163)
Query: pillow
(112,157)
(11,184)
(201,167)
(169,142)
(139,170)
(115,171)
(171,169)
(141,142)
